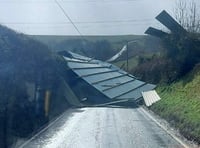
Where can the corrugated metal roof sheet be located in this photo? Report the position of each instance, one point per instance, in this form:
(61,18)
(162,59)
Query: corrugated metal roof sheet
(150,97)
(107,78)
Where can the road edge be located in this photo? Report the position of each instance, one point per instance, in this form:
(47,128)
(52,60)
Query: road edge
(164,128)
(44,128)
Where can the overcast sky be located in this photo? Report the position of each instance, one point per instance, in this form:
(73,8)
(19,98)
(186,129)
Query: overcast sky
(91,17)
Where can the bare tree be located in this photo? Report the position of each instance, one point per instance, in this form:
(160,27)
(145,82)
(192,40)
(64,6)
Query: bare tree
(187,15)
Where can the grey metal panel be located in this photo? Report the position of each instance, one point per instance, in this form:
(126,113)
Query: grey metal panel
(78,61)
(106,78)
(82,65)
(78,56)
(99,77)
(156,32)
(170,23)
(137,93)
(123,88)
(113,82)
(82,72)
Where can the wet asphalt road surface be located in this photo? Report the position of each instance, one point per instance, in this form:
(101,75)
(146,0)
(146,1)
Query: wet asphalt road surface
(101,127)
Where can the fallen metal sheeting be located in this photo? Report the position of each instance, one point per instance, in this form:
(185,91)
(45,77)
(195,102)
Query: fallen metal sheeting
(108,79)
(150,97)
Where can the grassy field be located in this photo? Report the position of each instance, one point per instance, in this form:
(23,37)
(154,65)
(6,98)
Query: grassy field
(117,41)
(180,105)
(133,62)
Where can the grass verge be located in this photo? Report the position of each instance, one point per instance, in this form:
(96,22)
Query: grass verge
(180,105)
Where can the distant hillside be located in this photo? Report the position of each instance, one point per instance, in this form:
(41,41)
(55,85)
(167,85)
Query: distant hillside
(102,47)
(66,42)
(52,40)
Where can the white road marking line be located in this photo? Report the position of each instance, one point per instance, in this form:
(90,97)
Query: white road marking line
(164,128)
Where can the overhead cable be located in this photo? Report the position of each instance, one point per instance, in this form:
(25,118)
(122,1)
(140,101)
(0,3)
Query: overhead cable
(84,22)
(68,18)
(67,1)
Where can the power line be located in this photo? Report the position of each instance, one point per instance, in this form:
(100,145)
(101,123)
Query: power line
(67,1)
(86,22)
(84,26)
(90,26)
(68,17)
(97,1)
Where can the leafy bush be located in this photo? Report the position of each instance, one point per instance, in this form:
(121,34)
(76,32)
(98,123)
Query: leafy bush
(156,70)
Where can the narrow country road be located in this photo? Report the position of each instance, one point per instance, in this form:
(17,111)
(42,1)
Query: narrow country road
(103,128)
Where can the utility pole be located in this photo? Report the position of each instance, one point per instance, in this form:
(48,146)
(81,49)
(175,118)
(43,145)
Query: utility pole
(127,52)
